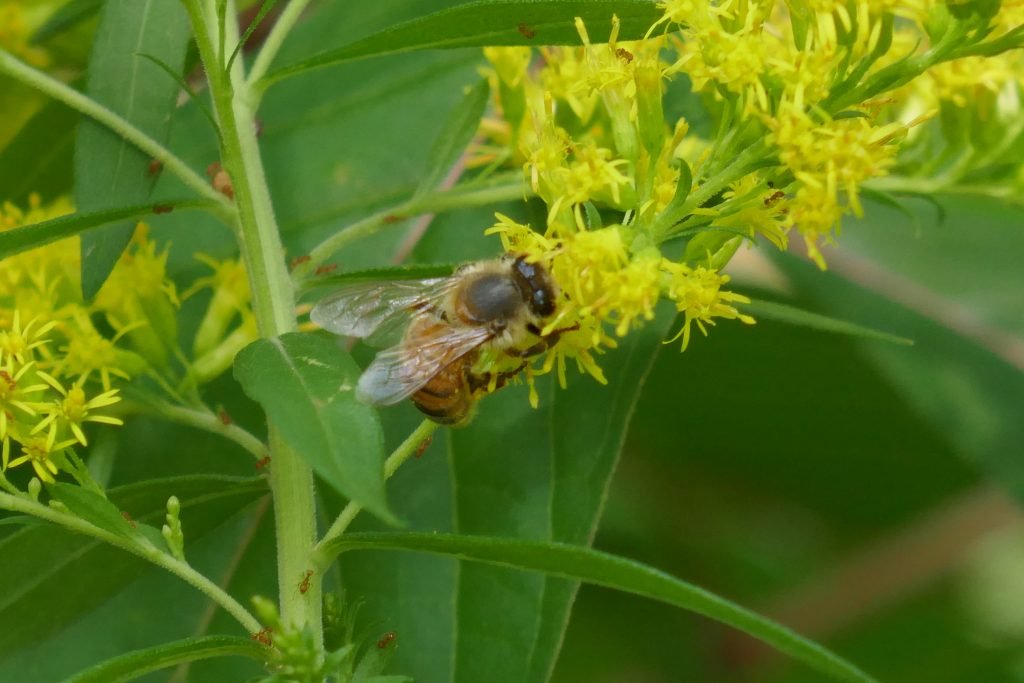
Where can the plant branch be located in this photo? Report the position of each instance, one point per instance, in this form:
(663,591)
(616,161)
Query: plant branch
(455,198)
(146,551)
(209,422)
(291,479)
(408,447)
(50,86)
(272,44)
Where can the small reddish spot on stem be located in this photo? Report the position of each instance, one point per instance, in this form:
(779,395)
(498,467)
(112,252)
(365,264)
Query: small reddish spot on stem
(386,640)
(264,636)
(323,270)
(424,445)
(223,416)
(526,31)
(163,208)
(299,260)
(263,462)
(304,586)
(128,518)
(624,54)
(154,168)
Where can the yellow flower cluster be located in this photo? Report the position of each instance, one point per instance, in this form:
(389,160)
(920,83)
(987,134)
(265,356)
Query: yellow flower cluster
(56,365)
(602,282)
(804,92)
(61,357)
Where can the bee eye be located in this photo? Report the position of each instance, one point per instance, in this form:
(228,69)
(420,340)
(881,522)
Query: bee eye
(536,283)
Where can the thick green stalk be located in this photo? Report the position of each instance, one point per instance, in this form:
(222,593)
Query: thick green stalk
(291,479)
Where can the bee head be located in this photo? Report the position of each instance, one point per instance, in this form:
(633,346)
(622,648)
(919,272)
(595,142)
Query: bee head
(537,287)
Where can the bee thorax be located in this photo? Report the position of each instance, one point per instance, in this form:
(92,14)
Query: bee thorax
(491,298)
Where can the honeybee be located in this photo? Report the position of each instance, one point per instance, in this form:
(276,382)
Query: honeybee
(441,325)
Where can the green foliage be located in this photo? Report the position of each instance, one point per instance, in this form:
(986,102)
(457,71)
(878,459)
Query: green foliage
(306,384)
(488,22)
(109,171)
(761,461)
(133,665)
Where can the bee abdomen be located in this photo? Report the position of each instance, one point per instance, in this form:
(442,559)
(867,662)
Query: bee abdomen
(446,398)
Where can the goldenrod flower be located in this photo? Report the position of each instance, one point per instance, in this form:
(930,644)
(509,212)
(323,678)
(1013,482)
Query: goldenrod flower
(18,341)
(15,402)
(42,452)
(803,121)
(73,410)
(699,296)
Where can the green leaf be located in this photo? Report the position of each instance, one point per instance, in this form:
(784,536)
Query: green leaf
(20,520)
(94,508)
(66,17)
(850,114)
(785,313)
(183,84)
(539,474)
(592,566)
(137,663)
(306,384)
(39,234)
(254,24)
(408,272)
(38,159)
(459,129)
(109,171)
(39,601)
(492,22)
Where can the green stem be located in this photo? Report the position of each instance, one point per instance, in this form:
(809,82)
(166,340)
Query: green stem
(932,186)
(408,447)
(209,422)
(48,85)
(146,551)
(291,479)
(455,198)
(272,44)
(752,158)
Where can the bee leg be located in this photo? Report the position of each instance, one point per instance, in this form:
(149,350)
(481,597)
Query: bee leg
(545,343)
(484,381)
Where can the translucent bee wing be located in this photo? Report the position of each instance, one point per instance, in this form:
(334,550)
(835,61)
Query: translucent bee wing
(360,309)
(400,371)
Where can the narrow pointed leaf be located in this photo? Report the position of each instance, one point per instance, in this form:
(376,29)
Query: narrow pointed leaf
(592,566)
(137,663)
(462,124)
(306,385)
(43,560)
(109,171)
(785,313)
(492,22)
(94,508)
(407,272)
(39,234)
